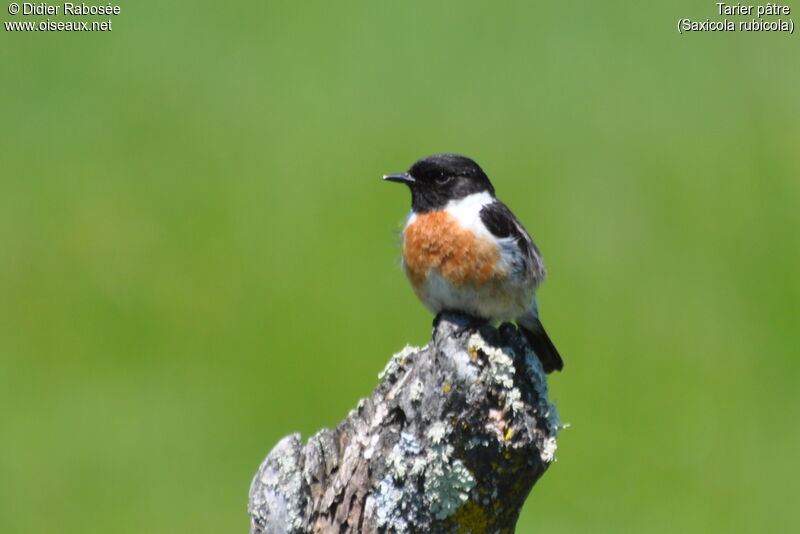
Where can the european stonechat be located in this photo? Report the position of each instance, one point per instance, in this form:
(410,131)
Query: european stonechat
(464,251)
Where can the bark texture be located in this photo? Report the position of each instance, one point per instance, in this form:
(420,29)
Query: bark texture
(452,439)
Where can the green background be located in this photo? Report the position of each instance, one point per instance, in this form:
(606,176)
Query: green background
(197,255)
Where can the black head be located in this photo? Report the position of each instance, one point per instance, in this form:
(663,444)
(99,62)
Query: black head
(436,180)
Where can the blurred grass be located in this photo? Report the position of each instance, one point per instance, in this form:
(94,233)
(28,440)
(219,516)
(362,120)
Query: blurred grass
(197,256)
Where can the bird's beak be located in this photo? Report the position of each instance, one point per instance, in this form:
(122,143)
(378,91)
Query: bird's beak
(403,178)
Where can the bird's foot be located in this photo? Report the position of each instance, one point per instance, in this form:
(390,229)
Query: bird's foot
(463,321)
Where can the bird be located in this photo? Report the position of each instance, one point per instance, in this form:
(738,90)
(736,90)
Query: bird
(463,250)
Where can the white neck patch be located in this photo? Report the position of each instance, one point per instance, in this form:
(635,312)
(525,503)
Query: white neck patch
(467,210)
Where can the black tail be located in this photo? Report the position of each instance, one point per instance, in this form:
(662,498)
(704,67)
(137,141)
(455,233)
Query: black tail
(543,347)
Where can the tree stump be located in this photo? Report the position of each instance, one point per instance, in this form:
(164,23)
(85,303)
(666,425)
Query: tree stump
(452,439)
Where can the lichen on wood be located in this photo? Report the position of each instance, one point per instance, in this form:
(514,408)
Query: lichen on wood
(451,440)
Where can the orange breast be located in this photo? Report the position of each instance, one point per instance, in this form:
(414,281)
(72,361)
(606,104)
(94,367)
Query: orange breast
(435,241)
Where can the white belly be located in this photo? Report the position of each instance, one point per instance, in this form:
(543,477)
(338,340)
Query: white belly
(494,301)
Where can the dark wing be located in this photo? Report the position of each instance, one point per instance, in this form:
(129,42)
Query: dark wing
(542,345)
(502,223)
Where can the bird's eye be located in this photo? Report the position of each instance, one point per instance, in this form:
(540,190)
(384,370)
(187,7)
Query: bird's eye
(443,178)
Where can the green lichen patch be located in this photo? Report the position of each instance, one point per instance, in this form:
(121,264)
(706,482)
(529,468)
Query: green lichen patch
(447,482)
(500,371)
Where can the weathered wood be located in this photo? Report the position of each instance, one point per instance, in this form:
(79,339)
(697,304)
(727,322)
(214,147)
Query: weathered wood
(451,440)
